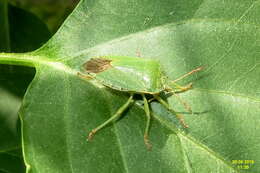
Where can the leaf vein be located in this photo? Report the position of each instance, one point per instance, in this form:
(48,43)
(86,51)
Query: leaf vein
(194,141)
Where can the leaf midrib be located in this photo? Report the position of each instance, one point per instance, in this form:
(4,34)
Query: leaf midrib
(39,61)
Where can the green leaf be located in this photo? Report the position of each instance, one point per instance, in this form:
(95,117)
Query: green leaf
(60,109)
(18,36)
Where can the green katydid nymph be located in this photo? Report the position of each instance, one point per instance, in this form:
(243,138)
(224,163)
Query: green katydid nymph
(136,76)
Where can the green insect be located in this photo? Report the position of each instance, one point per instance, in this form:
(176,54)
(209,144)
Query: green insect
(136,76)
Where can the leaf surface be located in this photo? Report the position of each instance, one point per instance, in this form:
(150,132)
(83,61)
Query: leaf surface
(60,109)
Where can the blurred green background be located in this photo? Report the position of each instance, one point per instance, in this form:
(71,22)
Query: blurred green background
(18,22)
(51,12)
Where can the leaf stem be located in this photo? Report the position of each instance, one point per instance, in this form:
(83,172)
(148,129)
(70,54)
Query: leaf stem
(25,59)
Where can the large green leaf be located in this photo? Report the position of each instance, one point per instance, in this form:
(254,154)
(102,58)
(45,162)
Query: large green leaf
(60,109)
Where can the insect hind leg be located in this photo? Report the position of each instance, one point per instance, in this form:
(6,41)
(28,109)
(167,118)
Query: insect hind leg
(111,119)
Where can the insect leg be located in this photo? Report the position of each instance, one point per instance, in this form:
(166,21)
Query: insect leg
(147,112)
(166,105)
(181,88)
(115,116)
(185,104)
(187,74)
(178,88)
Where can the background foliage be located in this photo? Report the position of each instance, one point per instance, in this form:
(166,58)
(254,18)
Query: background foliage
(52,13)
(59,108)
(17,34)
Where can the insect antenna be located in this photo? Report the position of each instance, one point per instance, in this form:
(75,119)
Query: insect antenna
(187,74)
